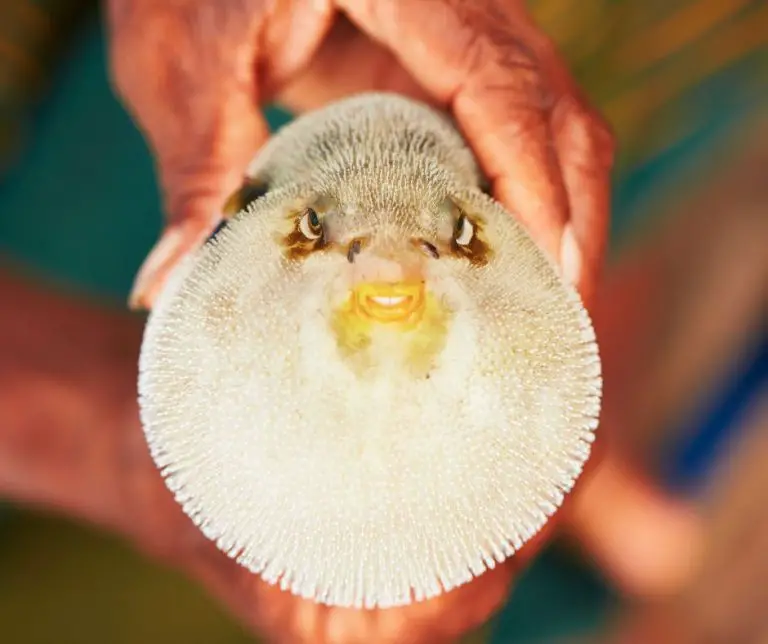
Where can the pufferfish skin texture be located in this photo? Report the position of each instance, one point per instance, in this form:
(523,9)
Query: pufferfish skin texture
(371,386)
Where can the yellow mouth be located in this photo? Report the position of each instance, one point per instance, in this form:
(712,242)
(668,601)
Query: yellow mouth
(387,302)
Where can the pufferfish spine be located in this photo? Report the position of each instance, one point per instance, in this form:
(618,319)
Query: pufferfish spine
(371,386)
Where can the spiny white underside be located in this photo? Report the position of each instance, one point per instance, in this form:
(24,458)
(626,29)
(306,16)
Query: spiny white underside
(379,491)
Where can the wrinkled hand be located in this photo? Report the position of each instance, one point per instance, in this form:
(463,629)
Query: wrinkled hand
(194,74)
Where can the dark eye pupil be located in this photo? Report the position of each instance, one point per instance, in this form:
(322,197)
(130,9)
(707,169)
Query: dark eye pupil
(459,225)
(314,220)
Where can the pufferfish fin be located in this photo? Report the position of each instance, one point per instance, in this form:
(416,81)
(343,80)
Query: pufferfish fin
(251,189)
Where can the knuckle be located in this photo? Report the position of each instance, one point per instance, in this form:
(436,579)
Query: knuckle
(498,61)
(181,45)
(513,79)
(584,130)
(185,73)
(485,49)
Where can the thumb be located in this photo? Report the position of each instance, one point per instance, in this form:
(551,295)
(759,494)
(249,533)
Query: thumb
(186,73)
(197,174)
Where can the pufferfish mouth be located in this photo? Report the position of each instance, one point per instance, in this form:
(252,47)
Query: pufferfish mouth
(389,302)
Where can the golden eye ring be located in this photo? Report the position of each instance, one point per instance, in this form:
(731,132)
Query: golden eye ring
(464,231)
(310,224)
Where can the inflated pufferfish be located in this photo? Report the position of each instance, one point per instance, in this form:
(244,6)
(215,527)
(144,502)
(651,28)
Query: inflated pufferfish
(371,385)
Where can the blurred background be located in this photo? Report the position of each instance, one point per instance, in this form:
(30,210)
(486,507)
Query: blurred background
(682,314)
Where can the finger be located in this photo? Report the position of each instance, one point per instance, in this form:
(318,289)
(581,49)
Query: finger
(187,72)
(481,59)
(585,151)
(186,232)
(198,171)
(195,102)
(284,617)
(647,543)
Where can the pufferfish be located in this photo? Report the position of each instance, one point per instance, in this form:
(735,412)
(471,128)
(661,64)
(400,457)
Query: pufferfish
(370,386)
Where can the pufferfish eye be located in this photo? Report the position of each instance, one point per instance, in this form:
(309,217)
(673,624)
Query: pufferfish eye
(464,231)
(310,225)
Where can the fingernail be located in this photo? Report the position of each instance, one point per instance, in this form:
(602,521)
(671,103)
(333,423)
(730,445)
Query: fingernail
(570,256)
(163,250)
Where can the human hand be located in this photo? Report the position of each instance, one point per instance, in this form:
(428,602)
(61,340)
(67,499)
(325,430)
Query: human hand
(71,440)
(194,74)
